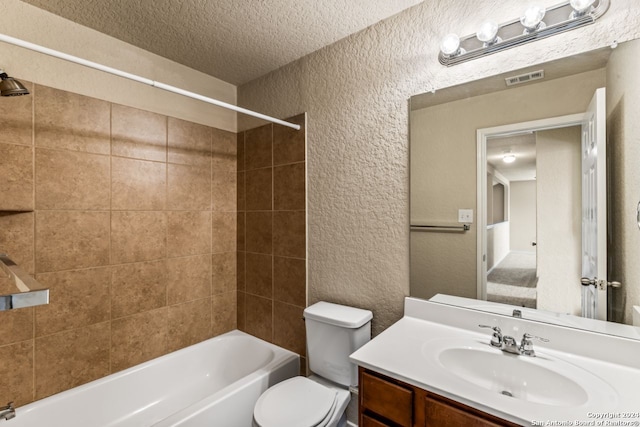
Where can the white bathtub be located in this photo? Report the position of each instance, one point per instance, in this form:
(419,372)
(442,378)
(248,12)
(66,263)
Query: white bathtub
(213,383)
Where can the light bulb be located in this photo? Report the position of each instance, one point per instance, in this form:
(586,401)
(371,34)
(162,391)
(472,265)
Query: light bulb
(450,45)
(488,33)
(580,7)
(531,20)
(509,158)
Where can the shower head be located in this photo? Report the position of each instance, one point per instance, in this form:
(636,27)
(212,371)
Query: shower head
(11,87)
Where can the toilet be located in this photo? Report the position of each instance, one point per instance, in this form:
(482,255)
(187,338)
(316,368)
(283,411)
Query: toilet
(333,332)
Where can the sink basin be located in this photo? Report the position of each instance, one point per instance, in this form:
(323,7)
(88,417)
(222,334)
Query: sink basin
(542,380)
(513,376)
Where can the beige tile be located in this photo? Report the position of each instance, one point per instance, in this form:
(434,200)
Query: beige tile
(289,234)
(189,188)
(138,287)
(241,192)
(289,280)
(16,370)
(138,184)
(69,359)
(289,144)
(17,237)
(137,236)
(70,180)
(259,189)
(16,175)
(241,271)
(224,190)
(224,313)
(289,187)
(16,118)
(16,325)
(259,317)
(224,151)
(257,147)
(139,338)
(65,120)
(240,232)
(138,134)
(259,274)
(67,240)
(77,298)
(241,310)
(224,230)
(188,233)
(223,268)
(240,156)
(188,278)
(189,323)
(259,232)
(288,327)
(189,143)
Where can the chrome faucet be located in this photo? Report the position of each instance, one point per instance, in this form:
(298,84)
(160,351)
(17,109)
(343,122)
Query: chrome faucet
(7,412)
(508,344)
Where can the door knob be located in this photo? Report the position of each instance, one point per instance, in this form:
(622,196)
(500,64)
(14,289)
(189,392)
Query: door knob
(585,281)
(614,284)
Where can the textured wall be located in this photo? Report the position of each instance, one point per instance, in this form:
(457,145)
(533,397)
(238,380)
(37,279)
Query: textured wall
(355,93)
(129,218)
(31,24)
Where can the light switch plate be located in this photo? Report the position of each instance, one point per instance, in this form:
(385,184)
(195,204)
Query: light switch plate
(465,216)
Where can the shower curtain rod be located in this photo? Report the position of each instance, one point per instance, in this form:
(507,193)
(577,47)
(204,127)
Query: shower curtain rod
(144,80)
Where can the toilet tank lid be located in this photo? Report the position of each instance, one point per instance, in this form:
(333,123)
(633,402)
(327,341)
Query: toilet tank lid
(338,315)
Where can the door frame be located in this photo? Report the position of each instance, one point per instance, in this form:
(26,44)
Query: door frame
(481,179)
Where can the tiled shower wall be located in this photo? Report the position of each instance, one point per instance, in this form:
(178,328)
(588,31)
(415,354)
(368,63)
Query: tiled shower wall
(272,234)
(130,218)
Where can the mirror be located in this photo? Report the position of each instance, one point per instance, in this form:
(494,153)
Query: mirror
(445,128)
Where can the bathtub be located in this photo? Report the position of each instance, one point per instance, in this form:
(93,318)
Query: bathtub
(213,383)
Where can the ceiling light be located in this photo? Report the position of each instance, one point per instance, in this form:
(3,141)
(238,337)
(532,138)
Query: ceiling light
(580,7)
(488,33)
(509,157)
(531,20)
(450,45)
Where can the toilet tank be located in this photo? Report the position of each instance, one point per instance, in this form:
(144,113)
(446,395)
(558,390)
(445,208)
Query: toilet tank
(334,332)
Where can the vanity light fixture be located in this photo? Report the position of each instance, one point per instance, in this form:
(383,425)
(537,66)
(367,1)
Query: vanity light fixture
(508,157)
(491,37)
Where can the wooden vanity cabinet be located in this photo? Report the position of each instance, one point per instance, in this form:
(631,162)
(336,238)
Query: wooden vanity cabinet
(386,402)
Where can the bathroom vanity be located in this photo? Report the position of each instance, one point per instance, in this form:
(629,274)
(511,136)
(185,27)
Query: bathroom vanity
(437,366)
(385,401)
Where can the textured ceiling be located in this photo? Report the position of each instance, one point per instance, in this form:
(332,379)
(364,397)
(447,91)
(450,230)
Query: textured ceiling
(233,40)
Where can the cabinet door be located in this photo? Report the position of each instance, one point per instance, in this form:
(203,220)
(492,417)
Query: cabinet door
(386,399)
(440,413)
(367,421)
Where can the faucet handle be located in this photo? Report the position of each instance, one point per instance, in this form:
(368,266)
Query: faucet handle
(496,338)
(526,345)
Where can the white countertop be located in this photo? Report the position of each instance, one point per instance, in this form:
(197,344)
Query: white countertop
(405,351)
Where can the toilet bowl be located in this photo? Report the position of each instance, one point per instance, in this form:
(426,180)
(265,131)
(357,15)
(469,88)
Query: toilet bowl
(333,332)
(302,402)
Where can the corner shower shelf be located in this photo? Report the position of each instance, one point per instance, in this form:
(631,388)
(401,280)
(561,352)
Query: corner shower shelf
(30,292)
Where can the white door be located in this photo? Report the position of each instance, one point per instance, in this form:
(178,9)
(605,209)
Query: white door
(594,210)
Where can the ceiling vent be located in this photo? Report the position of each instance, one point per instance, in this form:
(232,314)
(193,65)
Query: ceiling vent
(524,78)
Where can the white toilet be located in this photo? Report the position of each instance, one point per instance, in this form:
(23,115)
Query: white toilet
(333,333)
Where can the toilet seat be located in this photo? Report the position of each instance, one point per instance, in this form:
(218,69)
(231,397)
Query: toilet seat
(297,401)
